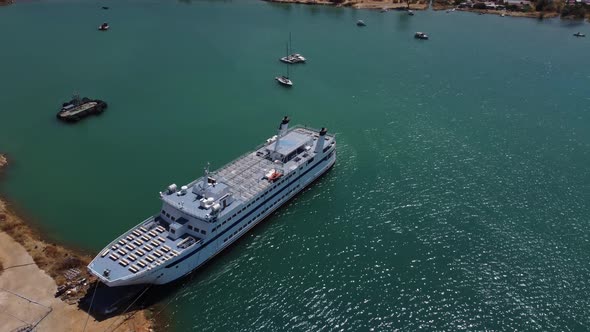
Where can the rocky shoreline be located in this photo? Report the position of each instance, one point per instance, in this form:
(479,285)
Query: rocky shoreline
(420,5)
(34,269)
(368,4)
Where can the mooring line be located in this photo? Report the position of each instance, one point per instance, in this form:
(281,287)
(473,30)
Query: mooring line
(90,308)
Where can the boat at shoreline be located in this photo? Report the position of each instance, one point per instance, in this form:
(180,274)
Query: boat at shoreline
(78,108)
(202,218)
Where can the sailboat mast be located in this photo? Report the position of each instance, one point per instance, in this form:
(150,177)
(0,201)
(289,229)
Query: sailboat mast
(290,45)
(287,63)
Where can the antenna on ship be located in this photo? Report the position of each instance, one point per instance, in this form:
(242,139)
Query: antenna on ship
(202,185)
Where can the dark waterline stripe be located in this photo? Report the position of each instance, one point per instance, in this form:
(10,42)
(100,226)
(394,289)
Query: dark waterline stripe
(244,217)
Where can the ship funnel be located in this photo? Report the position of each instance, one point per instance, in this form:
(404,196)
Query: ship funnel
(284,126)
(282,131)
(320,143)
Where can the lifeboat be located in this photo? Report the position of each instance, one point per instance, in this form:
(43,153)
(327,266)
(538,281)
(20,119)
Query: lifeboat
(273,175)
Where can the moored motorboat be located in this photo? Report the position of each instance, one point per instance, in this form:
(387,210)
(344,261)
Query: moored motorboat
(361,23)
(410,12)
(298,58)
(103,27)
(78,108)
(288,59)
(293,58)
(579,34)
(420,35)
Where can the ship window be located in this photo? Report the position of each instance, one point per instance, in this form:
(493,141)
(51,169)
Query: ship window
(167,215)
(223,223)
(240,211)
(224,240)
(326,148)
(190,227)
(203,232)
(173,218)
(163,212)
(309,161)
(172,231)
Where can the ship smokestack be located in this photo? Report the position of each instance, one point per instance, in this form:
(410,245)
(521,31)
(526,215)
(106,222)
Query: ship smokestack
(284,126)
(282,130)
(320,144)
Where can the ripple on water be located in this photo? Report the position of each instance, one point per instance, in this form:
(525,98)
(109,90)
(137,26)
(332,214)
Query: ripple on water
(443,235)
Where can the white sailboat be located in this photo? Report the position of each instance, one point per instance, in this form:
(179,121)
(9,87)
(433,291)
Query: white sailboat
(292,58)
(284,80)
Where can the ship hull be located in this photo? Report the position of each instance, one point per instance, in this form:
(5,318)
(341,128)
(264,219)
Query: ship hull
(192,260)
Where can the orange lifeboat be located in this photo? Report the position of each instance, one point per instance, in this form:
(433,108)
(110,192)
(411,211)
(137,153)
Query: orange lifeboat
(273,175)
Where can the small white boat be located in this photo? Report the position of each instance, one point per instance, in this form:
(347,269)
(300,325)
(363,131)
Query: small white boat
(420,35)
(298,57)
(103,27)
(383,10)
(284,80)
(293,58)
(410,12)
(361,23)
(579,34)
(287,59)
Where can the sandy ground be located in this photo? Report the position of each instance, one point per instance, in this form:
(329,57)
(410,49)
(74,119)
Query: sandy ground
(29,268)
(22,278)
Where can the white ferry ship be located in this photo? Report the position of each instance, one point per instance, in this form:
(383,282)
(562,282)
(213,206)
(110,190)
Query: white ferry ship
(202,218)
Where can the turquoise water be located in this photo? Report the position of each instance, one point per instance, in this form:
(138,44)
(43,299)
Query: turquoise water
(460,199)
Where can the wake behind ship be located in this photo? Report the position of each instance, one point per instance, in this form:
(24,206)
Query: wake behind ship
(204,217)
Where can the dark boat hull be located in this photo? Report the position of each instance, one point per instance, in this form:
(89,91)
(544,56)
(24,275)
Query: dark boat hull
(65,115)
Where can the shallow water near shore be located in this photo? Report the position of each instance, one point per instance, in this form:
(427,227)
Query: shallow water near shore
(460,195)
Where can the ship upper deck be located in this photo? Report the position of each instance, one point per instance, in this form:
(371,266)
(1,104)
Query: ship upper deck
(245,176)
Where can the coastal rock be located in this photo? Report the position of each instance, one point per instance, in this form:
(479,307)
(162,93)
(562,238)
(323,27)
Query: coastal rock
(3,160)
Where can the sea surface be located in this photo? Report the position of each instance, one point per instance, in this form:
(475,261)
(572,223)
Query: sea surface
(461,195)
